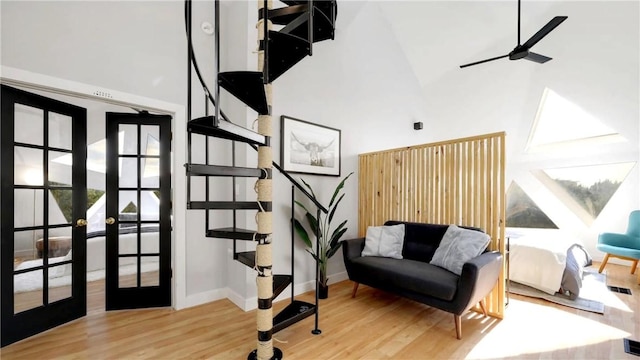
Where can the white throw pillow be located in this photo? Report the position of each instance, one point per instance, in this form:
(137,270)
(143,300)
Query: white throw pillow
(386,241)
(459,246)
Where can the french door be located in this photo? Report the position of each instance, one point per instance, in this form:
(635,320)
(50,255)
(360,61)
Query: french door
(138,210)
(43,198)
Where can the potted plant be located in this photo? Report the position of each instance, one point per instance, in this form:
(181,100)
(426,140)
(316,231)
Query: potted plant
(327,237)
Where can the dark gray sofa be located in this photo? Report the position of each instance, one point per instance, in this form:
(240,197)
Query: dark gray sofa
(414,278)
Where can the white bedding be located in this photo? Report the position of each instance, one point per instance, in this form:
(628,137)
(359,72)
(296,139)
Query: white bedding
(538,261)
(61,275)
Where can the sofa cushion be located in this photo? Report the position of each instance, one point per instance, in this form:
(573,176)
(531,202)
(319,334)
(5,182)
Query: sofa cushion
(411,275)
(459,246)
(420,240)
(384,241)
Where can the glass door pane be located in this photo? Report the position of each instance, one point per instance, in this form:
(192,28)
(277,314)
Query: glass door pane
(43,146)
(139,263)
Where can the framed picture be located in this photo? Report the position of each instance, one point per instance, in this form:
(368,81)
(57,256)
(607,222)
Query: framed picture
(309,148)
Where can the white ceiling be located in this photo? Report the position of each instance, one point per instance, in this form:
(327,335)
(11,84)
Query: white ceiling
(595,54)
(440,36)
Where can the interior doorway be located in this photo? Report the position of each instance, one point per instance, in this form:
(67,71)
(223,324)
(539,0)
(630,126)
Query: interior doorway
(39,242)
(96,110)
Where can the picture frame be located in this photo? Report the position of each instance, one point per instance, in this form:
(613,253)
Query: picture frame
(309,148)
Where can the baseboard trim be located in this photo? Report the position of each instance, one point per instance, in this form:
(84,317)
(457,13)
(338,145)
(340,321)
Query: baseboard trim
(241,302)
(336,278)
(205,297)
(252,303)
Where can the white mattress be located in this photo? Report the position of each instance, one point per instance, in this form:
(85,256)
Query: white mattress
(538,261)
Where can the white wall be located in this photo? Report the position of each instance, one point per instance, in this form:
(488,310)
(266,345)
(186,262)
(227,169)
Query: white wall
(394,63)
(595,65)
(362,84)
(372,82)
(134,47)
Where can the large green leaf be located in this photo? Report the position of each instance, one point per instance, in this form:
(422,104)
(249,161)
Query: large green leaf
(338,188)
(301,205)
(313,223)
(333,250)
(314,255)
(300,230)
(334,236)
(333,211)
(310,188)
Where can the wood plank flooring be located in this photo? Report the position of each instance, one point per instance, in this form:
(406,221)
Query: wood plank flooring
(95,293)
(374,325)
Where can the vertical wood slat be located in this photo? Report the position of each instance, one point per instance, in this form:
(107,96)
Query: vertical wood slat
(460,181)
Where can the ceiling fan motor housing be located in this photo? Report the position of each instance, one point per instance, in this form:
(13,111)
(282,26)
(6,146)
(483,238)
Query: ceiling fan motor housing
(518,53)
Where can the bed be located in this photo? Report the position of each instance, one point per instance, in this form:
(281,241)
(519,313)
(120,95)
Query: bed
(96,260)
(549,263)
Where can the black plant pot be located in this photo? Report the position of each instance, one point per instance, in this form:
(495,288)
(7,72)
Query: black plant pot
(323,291)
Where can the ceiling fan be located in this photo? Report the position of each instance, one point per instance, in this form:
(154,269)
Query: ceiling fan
(522,50)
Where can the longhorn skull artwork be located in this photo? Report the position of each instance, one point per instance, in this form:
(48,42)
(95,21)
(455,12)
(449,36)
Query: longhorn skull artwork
(314,149)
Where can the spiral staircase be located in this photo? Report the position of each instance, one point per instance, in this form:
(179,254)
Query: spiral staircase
(303,23)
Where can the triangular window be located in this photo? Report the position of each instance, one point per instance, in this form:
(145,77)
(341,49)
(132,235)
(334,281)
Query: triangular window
(561,122)
(590,187)
(130,208)
(522,212)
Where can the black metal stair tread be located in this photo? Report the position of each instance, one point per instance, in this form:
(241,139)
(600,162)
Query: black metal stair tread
(285,50)
(324,5)
(280,283)
(323,28)
(223,205)
(248,87)
(218,170)
(225,130)
(295,2)
(247,257)
(294,312)
(232,233)
(283,16)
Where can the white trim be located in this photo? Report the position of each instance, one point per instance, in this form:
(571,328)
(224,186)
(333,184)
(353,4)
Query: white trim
(242,303)
(27,79)
(252,303)
(205,297)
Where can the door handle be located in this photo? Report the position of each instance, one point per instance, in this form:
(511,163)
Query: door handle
(81,222)
(110,221)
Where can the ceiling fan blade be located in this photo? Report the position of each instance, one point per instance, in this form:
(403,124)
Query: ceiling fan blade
(552,24)
(540,59)
(483,61)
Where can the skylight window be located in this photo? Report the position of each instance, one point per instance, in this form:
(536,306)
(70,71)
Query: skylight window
(561,122)
(590,187)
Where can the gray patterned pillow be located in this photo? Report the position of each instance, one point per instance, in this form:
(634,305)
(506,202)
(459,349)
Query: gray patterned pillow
(459,246)
(386,241)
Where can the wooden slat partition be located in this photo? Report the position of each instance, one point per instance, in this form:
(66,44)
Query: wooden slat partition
(459,181)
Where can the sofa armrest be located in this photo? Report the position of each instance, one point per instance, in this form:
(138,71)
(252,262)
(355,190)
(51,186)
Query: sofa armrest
(352,248)
(479,276)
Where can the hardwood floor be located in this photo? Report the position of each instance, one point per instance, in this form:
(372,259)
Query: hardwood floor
(374,325)
(95,293)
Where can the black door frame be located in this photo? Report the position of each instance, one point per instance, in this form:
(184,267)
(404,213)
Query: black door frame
(27,323)
(95,92)
(139,296)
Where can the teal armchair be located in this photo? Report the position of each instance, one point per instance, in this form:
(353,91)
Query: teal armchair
(624,246)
